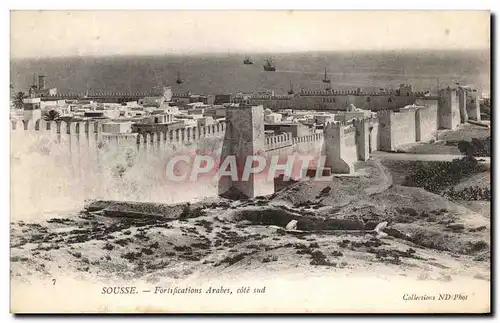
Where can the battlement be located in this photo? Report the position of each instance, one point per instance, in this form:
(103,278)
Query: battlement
(369,119)
(272,97)
(345,126)
(93,130)
(56,127)
(278,141)
(98,95)
(189,134)
(333,125)
(119,94)
(181,95)
(261,97)
(356,93)
(308,138)
(283,97)
(59,96)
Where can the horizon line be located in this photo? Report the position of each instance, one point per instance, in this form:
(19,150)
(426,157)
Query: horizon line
(235,53)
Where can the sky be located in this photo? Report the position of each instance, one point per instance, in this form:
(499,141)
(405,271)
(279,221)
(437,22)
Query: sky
(37,34)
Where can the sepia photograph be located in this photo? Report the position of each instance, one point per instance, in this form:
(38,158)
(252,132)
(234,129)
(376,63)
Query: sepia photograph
(250,161)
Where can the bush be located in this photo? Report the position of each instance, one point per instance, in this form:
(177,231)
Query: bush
(476,147)
(187,212)
(474,193)
(270,258)
(437,176)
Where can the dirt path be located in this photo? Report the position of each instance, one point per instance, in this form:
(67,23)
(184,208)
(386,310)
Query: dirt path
(385,177)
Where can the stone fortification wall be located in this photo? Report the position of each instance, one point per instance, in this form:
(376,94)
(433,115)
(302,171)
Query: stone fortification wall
(449,112)
(426,123)
(366,136)
(278,141)
(58,165)
(337,100)
(340,157)
(472,105)
(396,128)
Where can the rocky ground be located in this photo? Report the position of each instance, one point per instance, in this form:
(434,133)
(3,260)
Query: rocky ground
(429,237)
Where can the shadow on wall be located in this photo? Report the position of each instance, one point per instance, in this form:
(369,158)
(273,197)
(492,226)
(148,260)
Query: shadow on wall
(337,151)
(55,171)
(225,187)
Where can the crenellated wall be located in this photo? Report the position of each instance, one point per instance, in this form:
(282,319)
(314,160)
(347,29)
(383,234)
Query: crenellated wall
(279,141)
(311,145)
(58,165)
(337,100)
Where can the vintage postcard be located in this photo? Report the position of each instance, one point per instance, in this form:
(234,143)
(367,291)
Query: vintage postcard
(250,161)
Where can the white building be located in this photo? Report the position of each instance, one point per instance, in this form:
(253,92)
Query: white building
(205,121)
(32,109)
(117,127)
(273,118)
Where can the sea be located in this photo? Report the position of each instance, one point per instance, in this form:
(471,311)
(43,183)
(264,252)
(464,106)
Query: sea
(226,73)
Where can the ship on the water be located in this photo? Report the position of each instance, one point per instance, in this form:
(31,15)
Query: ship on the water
(291,91)
(269,66)
(247,61)
(326,79)
(179,79)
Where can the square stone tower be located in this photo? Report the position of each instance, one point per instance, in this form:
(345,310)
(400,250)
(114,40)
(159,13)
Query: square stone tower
(472,105)
(245,138)
(449,111)
(340,157)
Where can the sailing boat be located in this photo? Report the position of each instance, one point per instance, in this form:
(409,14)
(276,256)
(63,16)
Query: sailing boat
(179,80)
(247,61)
(291,89)
(269,66)
(326,79)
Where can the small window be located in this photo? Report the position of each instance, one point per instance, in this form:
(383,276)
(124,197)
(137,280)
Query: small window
(333,100)
(390,100)
(368,99)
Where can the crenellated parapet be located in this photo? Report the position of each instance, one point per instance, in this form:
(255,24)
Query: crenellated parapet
(366,120)
(278,141)
(304,92)
(308,138)
(182,135)
(33,127)
(80,131)
(344,127)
